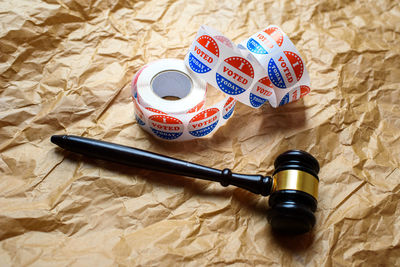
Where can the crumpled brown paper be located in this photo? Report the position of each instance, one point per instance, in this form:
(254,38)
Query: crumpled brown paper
(66,67)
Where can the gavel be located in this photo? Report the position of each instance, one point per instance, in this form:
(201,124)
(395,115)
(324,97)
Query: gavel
(292,188)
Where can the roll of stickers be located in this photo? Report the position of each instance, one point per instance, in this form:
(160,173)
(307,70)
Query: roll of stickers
(183,119)
(263,68)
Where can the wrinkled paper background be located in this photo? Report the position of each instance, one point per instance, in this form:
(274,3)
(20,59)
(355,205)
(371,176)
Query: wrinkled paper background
(66,67)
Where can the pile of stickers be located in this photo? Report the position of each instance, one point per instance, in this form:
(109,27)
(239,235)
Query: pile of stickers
(266,67)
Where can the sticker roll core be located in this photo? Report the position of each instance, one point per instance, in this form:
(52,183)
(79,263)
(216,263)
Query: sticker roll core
(169,77)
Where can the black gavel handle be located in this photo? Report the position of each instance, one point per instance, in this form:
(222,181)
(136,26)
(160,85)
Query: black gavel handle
(130,156)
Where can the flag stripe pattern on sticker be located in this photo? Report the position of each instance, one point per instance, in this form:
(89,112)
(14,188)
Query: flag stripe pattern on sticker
(235,75)
(203,55)
(204,122)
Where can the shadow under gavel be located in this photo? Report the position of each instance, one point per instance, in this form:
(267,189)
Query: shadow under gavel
(293,186)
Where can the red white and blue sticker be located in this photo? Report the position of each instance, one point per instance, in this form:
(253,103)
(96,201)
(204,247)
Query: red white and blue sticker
(224,40)
(197,107)
(235,75)
(261,92)
(229,107)
(166,127)
(276,34)
(134,82)
(266,41)
(256,47)
(155,110)
(134,87)
(139,116)
(295,94)
(285,71)
(204,122)
(203,54)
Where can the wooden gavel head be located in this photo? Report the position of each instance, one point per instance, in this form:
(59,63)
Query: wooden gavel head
(294,193)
